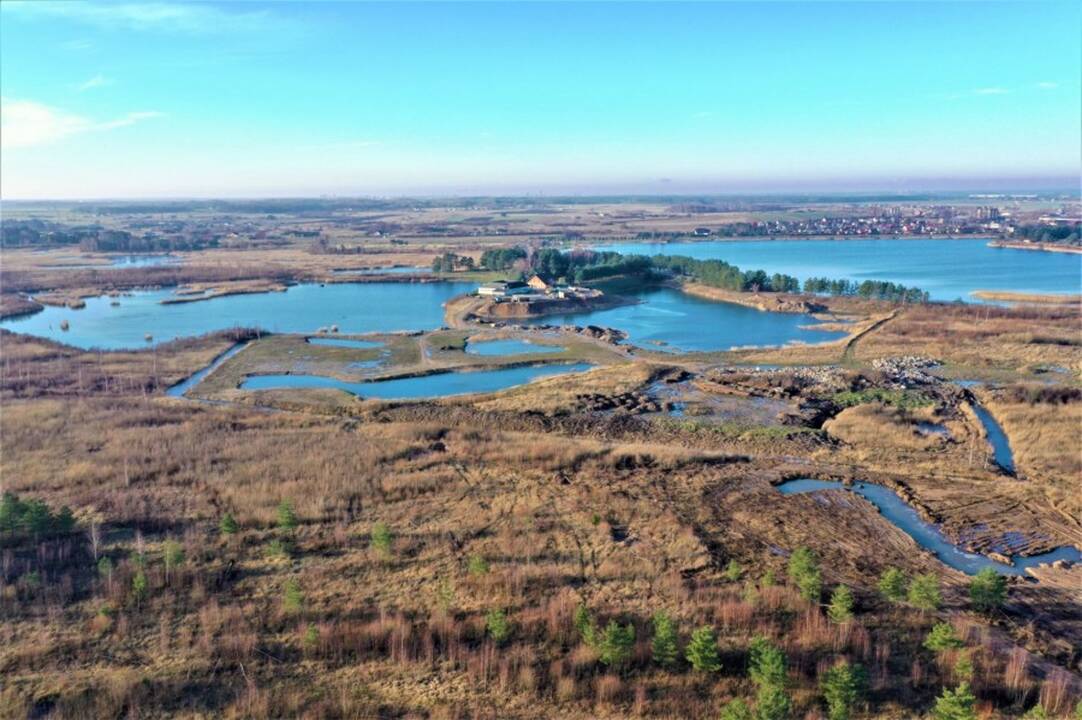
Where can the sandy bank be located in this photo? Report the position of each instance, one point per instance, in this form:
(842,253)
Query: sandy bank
(767,302)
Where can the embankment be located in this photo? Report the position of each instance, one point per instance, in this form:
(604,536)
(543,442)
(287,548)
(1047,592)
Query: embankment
(767,302)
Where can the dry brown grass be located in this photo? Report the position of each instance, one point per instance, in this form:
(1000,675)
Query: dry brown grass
(565,509)
(1044,438)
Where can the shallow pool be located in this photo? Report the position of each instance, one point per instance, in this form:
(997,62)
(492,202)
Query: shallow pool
(508,347)
(344,342)
(445,384)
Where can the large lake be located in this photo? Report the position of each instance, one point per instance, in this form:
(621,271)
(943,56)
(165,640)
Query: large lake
(668,319)
(355,308)
(947,269)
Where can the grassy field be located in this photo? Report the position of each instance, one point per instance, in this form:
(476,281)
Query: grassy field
(308,554)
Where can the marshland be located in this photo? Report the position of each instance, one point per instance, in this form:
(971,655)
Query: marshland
(325,486)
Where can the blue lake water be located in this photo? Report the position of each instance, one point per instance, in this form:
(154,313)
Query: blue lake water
(426,386)
(143,260)
(508,347)
(356,308)
(927,535)
(1001,449)
(400,270)
(344,342)
(684,322)
(947,269)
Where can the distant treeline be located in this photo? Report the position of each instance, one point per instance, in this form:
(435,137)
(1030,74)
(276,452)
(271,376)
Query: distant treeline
(502,259)
(581,266)
(720,274)
(1067,234)
(94,238)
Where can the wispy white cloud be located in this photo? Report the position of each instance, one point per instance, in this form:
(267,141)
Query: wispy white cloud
(1047,85)
(97,81)
(157,16)
(991,91)
(702,114)
(25,123)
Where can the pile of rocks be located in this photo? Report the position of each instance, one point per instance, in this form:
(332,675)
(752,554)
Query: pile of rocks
(907,370)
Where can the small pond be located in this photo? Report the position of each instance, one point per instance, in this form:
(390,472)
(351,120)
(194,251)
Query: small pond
(344,343)
(508,347)
(445,384)
(397,270)
(928,536)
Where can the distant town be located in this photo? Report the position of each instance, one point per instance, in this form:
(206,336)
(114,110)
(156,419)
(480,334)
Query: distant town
(335,226)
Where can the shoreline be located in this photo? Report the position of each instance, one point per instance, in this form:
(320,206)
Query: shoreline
(1016,298)
(1039,246)
(764,302)
(695,239)
(530,310)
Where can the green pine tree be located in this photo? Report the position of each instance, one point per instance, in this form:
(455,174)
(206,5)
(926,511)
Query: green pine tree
(616,644)
(843,685)
(772,703)
(957,704)
(585,625)
(293,597)
(228,526)
(702,651)
(736,710)
(139,586)
(477,565)
(497,625)
(840,609)
(988,590)
(923,593)
(382,539)
(892,585)
(287,519)
(666,649)
(766,663)
(942,637)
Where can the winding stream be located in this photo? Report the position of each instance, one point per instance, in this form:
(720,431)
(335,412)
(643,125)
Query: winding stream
(928,536)
(1001,448)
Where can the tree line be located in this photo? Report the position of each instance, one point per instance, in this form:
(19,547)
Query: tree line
(1067,234)
(581,266)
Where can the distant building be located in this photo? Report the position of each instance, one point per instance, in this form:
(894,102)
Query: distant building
(537,283)
(503,289)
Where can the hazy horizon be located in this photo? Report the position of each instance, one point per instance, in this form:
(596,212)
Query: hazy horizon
(255,100)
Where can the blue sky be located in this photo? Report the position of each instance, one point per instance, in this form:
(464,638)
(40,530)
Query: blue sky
(257,99)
